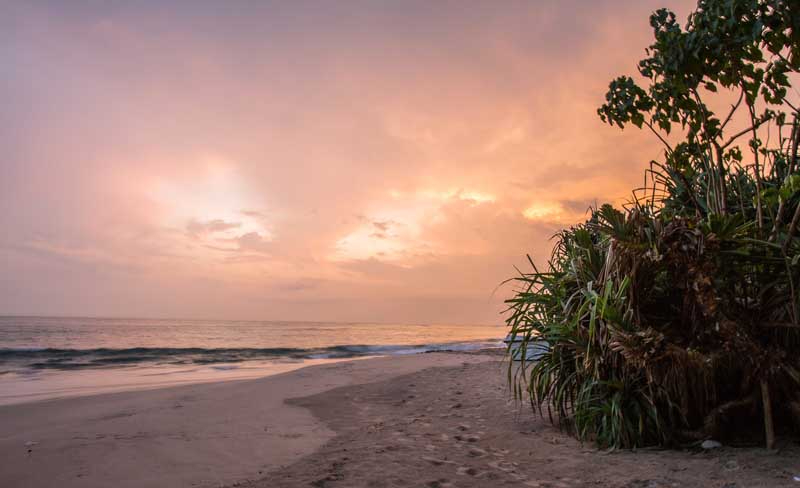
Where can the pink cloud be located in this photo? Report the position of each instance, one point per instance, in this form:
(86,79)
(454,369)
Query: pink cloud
(195,227)
(416,135)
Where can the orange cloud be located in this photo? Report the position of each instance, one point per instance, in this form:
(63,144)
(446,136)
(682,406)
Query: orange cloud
(293,160)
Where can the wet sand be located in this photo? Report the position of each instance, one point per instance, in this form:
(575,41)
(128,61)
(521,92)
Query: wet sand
(201,435)
(428,420)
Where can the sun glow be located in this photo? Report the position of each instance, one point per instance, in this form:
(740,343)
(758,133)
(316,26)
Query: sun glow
(459,194)
(548,211)
(215,205)
(393,230)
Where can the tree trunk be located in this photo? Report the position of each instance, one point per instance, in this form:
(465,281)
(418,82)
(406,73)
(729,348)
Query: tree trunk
(769,429)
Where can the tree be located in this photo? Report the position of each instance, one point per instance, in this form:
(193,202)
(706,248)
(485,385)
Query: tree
(678,314)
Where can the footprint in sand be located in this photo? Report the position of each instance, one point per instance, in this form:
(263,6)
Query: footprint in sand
(502,465)
(290,435)
(499,452)
(440,483)
(467,470)
(436,461)
(477,452)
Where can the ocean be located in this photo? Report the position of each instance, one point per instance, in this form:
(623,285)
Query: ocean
(52,357)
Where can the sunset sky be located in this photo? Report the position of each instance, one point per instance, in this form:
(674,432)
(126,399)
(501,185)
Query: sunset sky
(333,161)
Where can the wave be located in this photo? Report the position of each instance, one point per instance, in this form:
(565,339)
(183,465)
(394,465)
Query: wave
(51,358)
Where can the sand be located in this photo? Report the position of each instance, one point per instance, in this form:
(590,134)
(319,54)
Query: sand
(457,427)
(429,420)
(200,435)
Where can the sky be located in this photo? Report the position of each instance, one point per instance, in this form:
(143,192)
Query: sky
(367,161)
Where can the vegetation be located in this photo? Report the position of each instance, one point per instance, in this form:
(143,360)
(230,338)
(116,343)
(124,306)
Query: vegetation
(677,318)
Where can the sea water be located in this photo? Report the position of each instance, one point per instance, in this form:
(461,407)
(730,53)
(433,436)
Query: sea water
(49,357)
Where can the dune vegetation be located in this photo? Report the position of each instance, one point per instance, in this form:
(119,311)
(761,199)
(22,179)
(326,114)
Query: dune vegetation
(676,318)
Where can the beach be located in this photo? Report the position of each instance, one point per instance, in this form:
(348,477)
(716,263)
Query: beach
(373,244)
(199,435)
(56,357)
(434,420)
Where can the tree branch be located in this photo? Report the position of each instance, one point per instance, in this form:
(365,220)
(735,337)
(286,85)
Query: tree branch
(791,230)
(795,141)
(733,110)
(745,131)
(663,141)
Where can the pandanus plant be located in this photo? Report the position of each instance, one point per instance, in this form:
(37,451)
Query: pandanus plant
(676,318)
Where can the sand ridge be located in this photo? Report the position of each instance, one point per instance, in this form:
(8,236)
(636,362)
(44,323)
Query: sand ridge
(460,427)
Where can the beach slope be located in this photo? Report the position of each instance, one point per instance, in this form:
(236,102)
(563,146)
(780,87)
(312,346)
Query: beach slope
(459,427)
(426,420)
(199,435)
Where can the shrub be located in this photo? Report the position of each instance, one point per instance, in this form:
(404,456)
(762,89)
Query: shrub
(676,317)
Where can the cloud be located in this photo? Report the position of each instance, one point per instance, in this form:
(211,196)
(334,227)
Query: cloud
(254,242)
(297,286)
(384,154)
(254,214)
(196,228)
(383,226)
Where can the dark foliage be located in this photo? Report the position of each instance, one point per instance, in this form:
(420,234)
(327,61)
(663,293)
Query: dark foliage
(675,318)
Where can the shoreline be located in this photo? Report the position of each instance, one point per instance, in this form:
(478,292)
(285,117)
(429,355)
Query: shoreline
(60,385)
(34,374)
(206,434)
(435,420)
